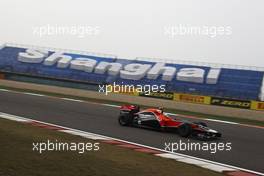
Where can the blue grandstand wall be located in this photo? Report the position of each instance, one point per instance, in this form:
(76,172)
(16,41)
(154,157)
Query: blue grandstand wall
(103,69)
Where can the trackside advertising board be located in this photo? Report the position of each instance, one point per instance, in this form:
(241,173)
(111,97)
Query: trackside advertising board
(192,98)
(160,95)
(230,103)
(179,97)
(256,105)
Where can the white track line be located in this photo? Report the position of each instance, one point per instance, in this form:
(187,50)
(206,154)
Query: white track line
(5,90)
(193,161)
(217,168)
(212,165)
(12,117)
(34,94)
(111,105)
(222,121)
(170,156)
(70,99)
(85,135)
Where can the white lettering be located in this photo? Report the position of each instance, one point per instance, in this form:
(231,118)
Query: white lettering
(54,58)
(134,71)
(112,68)
(213,75)
(83,64)
(32,56)
(195,75)
(160,68)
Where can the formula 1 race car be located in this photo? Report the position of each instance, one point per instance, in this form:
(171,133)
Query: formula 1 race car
(154,118)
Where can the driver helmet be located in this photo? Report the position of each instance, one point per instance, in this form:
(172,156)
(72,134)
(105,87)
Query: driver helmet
(161,109)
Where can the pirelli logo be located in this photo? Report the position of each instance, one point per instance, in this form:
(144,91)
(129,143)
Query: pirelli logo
(231,103)
(192,98)
(161,95)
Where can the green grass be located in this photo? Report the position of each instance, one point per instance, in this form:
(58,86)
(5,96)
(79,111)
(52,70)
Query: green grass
(177,111)
(17,157)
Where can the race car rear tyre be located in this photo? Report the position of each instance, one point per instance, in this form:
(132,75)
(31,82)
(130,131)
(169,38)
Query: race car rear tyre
(124,120)
(185,130)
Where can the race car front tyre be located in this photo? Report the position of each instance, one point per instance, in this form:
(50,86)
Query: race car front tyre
(185,130)
(124,120)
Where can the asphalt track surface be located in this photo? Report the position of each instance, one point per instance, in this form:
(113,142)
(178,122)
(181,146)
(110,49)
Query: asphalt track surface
(247,142)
